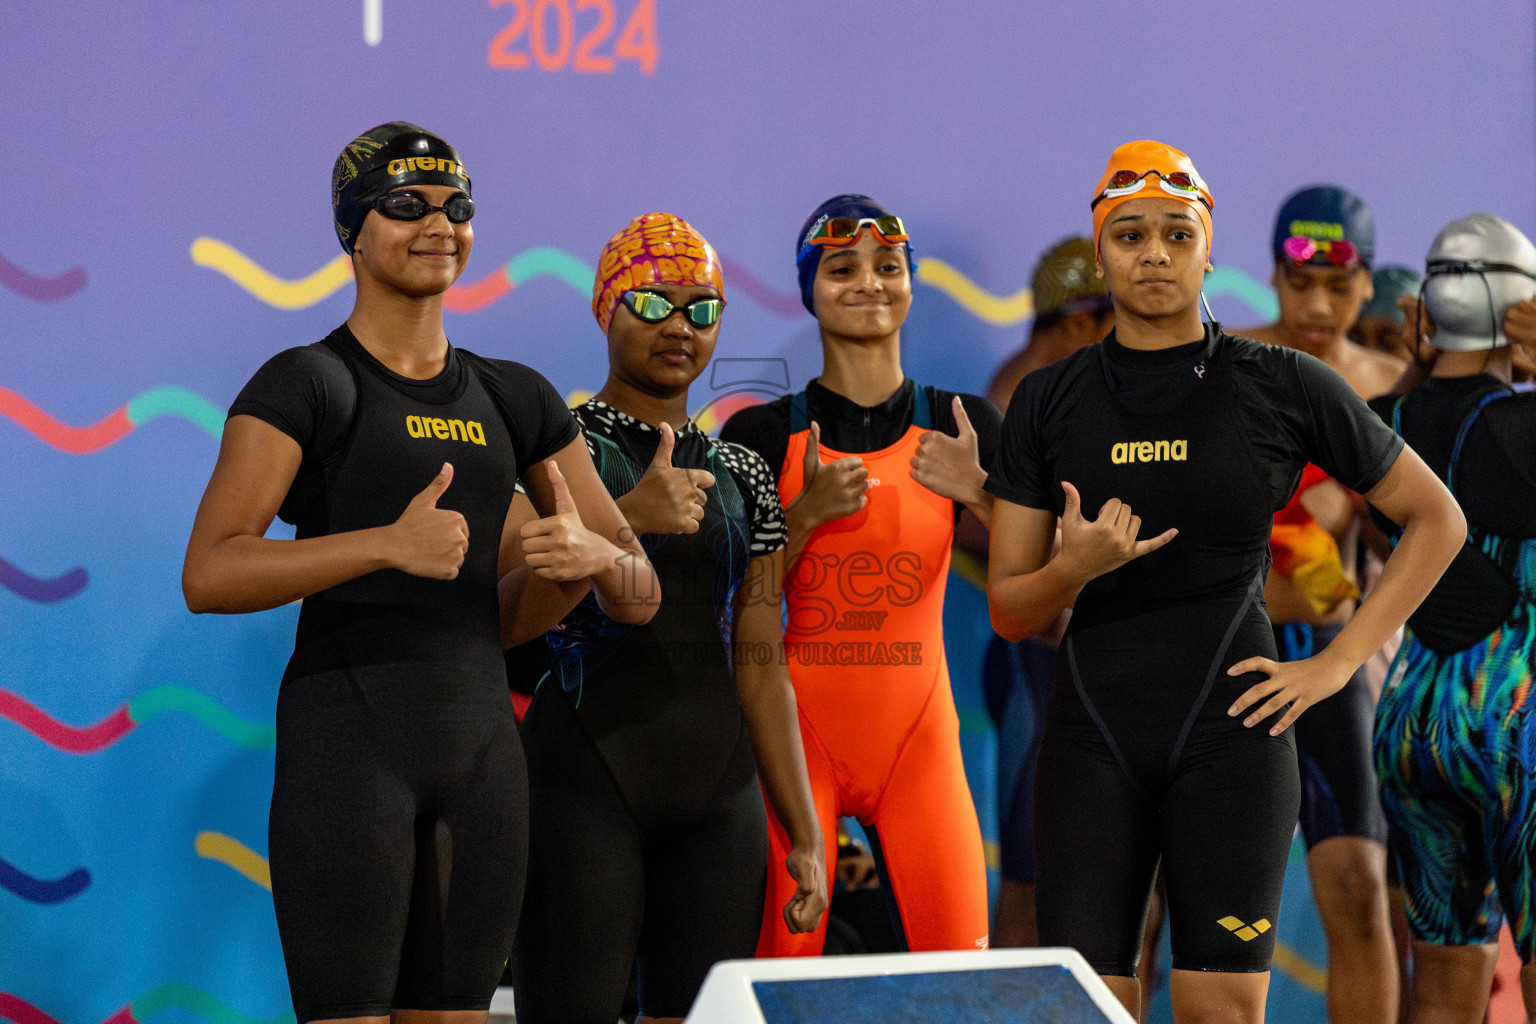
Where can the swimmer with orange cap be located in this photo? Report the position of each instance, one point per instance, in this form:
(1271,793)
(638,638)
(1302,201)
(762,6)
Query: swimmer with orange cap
(1162,453)
(648,835)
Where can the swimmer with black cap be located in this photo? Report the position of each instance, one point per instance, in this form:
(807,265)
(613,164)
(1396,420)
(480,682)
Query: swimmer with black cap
(398,832)
(1163,452)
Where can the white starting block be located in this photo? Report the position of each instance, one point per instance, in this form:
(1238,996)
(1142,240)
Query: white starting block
(1006,986)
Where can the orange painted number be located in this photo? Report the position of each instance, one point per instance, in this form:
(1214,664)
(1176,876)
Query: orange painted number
(637,41)
(586,60)
(552,60)
(501,55)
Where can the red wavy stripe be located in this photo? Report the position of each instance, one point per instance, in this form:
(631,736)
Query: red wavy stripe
(14,1008)
(765,295)
(75,440)
(65,737)
(470,298)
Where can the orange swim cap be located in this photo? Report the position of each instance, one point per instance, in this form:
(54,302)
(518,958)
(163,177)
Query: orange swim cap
(1140,158)
(655,248)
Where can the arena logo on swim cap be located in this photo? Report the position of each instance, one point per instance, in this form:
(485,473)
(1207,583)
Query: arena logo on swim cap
(1149,451)
(445,430)
(427,163)
(1319,229)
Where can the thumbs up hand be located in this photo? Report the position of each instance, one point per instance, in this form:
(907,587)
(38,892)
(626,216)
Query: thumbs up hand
(429,541)
(951,466)
(667,499)
(559,547)
(831,490)
(1093,547)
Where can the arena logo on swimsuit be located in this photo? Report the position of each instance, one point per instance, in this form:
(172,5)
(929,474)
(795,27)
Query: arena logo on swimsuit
(447,430)
(1149,451)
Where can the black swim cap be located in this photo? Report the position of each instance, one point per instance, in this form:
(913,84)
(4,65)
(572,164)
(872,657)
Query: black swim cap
(383,159)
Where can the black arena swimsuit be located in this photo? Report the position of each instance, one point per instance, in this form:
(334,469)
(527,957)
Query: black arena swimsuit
(397,832)
(1140,762)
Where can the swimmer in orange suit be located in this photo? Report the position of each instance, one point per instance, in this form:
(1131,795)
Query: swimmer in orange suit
(874,471)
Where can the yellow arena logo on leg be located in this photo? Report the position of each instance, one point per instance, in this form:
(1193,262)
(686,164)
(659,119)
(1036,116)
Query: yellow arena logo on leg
(1246,932)
(445,430)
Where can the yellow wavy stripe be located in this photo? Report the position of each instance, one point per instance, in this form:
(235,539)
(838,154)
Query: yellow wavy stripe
(1307,975)
(226,850)
(266,286)
(1003,311)
(994,854)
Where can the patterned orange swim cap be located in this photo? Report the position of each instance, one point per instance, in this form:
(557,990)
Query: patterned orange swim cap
(655,248)
(1140,158)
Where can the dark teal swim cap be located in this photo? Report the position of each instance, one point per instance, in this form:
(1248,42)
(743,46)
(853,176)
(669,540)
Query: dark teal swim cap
(1390,283)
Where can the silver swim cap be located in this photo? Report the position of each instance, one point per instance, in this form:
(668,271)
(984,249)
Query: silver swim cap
(1477,268)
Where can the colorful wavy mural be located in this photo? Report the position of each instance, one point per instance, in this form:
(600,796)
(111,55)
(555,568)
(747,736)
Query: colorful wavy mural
(94,738)
(43,590)
(152,1003)
(997,310)
(43,890)
(150,405)
(41,289)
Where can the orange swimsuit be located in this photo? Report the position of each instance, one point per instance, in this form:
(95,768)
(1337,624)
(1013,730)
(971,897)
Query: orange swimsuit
(865,646)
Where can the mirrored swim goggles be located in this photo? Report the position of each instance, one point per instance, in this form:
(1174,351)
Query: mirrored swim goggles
(839,232)
(408,205)
(1435,267)
(1127,183)
(1300,250)
(654,308)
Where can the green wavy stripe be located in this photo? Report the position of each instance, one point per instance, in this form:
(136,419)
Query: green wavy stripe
(180,698)
(554,262)
(1233,282)
(173,401)
(185,997)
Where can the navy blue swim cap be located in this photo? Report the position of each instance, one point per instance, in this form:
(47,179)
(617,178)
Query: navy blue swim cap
(1327,213)
(846,205)
(381,160)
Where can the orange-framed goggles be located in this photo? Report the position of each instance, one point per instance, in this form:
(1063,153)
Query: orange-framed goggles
(1178,183)
(838,232)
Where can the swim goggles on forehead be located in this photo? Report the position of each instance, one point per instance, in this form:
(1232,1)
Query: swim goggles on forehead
(1127,183)
(406,205)
(1435,267)
(654,308)
(1300,249)
(838,232)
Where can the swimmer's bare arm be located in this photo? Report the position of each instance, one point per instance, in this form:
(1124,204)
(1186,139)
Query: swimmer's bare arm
(532,605)
(231,566)
(1433,531)
(951,466)
(768,699)
(584,542)
(830,491)
(1028,586)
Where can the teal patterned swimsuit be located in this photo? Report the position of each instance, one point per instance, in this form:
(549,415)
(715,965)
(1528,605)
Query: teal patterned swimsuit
(1456,730)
